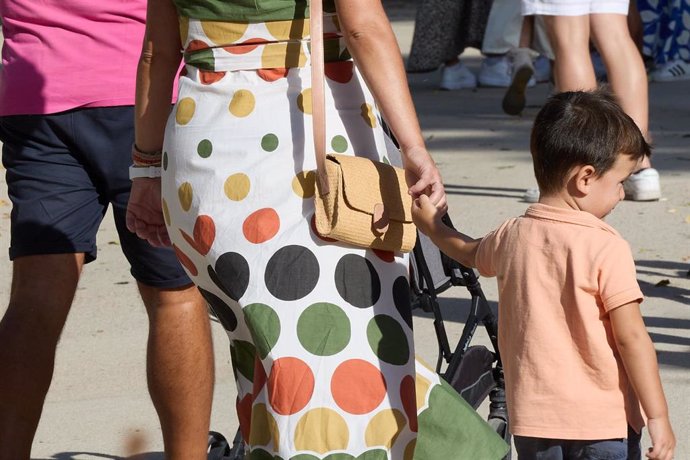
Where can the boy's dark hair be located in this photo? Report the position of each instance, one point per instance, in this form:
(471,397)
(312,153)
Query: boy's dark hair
(579,128)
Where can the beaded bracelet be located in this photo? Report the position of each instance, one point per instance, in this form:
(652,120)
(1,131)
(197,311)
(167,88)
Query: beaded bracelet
(142,158)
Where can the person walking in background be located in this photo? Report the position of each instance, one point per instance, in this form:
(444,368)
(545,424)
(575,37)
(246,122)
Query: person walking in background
(570,26)
(443,29)
(666,38)
(575,351)
(66,123)
(320,331)
(517,53)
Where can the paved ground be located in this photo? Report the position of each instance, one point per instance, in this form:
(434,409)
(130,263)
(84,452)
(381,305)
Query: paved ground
(98,399)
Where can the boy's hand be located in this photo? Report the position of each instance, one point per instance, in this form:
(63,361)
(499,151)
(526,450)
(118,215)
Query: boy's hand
(425,215)
(663,440)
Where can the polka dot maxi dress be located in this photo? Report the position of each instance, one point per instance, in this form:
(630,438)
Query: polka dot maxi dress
(320,332)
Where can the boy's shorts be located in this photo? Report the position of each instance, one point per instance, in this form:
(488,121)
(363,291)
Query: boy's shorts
(63,170)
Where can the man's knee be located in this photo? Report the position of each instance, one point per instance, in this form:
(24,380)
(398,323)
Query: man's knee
(184,297)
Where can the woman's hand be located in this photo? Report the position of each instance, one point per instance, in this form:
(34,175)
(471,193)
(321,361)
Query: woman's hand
(423,177)
(145,213)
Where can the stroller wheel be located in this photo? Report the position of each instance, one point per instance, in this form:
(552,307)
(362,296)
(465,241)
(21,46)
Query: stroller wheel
(218,447)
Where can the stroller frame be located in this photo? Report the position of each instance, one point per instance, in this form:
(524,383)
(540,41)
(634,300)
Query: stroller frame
(473,370)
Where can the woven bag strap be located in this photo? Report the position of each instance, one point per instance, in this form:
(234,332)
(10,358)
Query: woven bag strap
(318,110)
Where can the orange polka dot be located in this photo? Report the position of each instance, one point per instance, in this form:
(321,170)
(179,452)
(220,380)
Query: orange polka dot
(186,261)
(358,387)
(204,235)
(386,256)
(244,414)
(196,45)
(341,71)
(290,385)
(208,78)
(409,400)
(271,75)
(261,225)
(246,46)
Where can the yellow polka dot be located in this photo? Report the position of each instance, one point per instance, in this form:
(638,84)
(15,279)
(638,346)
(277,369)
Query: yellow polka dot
(304,101)
(166,213)
(242,103)
(263,428)
(185,110)
(321,430)
(368,115)
(384,428)
(421,388)
(186,194)
(303,184)
(184,29)
(237,186)
(281,55)
(409,450)
(286,30)
(222,32)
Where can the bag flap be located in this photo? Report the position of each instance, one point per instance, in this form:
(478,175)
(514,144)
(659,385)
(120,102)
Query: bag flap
(367,183)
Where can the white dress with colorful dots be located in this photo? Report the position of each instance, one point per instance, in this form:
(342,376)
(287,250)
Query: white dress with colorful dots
(321,332)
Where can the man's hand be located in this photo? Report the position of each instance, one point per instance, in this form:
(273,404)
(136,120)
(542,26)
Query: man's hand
(145,213)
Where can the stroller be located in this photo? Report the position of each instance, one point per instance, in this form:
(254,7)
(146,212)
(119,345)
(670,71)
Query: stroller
(473,370)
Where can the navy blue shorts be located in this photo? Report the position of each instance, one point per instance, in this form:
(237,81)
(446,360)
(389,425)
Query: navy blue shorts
(568,449)
(63,170)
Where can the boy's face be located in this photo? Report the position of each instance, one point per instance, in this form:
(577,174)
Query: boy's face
(607,189)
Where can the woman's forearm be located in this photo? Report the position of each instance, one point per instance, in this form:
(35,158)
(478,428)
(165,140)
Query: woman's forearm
(372,43)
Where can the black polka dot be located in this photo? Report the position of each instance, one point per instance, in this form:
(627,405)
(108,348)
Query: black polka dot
(292,273)
(401,298)
(357,281)
(221,309)
(231,274)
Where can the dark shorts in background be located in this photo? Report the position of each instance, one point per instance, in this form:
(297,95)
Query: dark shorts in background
(63,170)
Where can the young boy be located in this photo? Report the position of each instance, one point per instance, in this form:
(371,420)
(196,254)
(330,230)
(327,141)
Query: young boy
(576,353)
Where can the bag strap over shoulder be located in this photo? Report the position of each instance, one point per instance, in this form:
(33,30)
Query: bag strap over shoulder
(318,110)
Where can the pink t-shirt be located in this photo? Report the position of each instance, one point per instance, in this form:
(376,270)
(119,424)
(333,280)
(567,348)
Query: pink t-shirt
(63,54)
(559,273)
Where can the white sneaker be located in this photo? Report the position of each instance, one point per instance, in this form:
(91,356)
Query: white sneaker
(522,73)
(531,195)
(643,186)
(457,76)
(497,72)
(672,71)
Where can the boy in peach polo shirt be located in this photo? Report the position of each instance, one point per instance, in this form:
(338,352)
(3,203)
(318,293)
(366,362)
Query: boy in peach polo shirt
(576,354)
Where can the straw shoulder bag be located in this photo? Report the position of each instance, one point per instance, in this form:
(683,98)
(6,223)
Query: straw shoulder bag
(358,200)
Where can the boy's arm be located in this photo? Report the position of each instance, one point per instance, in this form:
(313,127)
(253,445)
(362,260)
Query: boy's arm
(639,358)
(456,245)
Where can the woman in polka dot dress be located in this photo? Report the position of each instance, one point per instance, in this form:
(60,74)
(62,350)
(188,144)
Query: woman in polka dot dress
(320,332)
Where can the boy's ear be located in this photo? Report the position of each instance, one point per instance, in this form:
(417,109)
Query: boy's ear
(584,177)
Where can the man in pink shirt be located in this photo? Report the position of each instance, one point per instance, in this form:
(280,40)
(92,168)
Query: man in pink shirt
(576,354)
(66,123)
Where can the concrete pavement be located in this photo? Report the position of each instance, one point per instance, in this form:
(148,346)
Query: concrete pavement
(98,401)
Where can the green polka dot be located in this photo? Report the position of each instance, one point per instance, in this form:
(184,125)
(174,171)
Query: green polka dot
(386,160)
(339,456)
(304,457)
(243,355)
(165,161)
(264,325)
(339,144)
(269,142)
(204,149)
(323,329)
(388,340)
